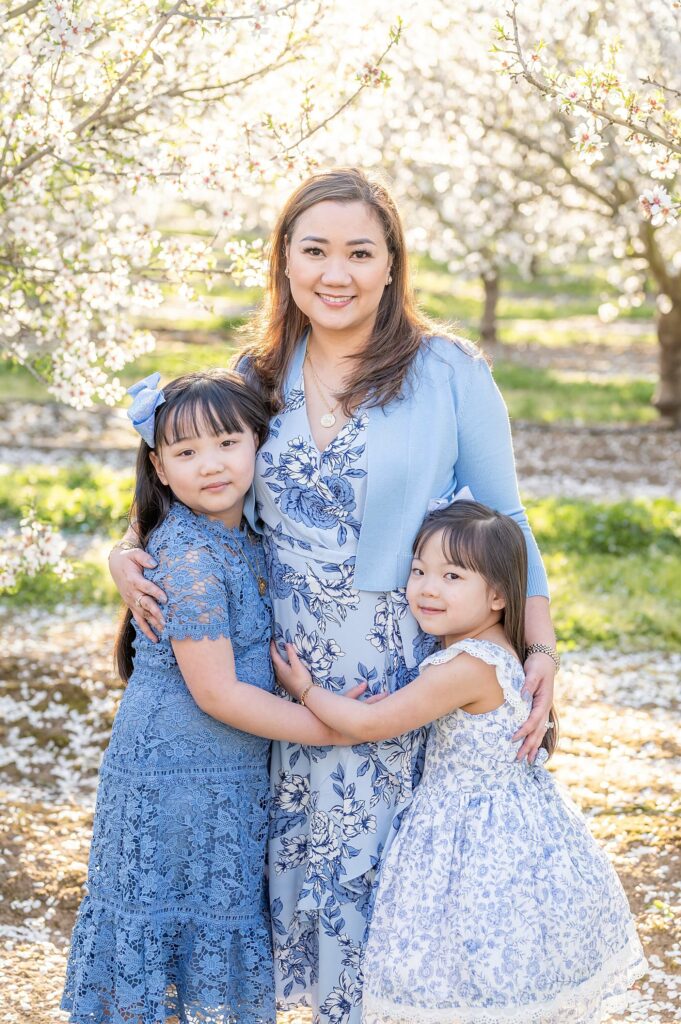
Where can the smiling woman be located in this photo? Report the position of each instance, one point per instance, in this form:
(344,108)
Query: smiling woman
(375,413)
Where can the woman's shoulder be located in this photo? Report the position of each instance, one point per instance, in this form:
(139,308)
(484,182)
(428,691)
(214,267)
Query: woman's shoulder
(451,360)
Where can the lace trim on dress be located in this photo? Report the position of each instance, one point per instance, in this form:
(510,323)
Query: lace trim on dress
(604,993)
(494,655)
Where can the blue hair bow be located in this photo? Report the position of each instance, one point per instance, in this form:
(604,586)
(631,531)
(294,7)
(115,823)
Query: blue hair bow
(147,397)
(437,504)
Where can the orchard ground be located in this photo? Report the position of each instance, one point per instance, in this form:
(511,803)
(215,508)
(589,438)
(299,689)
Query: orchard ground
(602,480)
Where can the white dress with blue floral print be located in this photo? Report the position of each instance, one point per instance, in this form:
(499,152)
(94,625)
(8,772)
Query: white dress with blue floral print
(332,807)
(495,904)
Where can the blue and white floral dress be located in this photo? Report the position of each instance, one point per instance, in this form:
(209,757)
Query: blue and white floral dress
(495,904)
(333,807)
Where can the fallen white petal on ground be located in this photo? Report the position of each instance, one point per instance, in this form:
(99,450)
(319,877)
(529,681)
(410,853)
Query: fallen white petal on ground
(619,756)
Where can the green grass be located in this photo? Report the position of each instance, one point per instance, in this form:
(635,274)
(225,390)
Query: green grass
(546,396)
(613,567)
(78,498)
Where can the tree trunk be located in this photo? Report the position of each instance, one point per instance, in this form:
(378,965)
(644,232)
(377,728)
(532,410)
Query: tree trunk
(488,323)
(667,397)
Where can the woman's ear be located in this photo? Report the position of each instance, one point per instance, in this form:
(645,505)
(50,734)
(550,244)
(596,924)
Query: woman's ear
(158,466)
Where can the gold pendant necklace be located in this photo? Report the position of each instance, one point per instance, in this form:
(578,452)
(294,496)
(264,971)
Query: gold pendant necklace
(260,580)
(328,419)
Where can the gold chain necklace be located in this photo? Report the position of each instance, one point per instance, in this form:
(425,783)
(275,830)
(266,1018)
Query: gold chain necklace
(328,419)
(259,579)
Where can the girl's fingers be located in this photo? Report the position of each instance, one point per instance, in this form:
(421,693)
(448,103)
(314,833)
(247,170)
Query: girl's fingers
(356,691)
(375,697)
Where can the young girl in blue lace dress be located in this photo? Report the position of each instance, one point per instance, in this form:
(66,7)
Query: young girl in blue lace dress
(175,922)
(495,905)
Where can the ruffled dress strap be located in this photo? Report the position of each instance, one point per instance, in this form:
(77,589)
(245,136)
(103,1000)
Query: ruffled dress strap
(508,669)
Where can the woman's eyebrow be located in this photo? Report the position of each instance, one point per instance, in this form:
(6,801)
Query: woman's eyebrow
(325,241)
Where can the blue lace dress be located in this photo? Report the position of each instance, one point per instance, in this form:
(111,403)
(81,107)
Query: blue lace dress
(495,905)
(175,920)
(332,807)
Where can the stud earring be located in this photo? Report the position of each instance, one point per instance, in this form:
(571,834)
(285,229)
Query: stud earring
(286,271)
(390,279)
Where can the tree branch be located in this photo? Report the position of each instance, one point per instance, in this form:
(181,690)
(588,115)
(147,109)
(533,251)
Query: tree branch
(667,142)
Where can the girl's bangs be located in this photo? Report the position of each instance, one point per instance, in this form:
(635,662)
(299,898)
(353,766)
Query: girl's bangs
(462,544)
(196,412)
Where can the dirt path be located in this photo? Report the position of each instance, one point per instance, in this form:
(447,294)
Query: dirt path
(619,755)
(608,462)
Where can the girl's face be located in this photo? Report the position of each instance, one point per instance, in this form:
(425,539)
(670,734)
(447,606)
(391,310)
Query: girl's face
(209,473)
(339,265)
(448,600)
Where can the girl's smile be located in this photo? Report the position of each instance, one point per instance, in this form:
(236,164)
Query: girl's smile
(449,600)
(211,473)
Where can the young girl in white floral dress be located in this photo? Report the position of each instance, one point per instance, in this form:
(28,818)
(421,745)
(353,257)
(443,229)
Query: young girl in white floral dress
(495,905)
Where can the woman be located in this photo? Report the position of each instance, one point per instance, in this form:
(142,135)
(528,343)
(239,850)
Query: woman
(376,416)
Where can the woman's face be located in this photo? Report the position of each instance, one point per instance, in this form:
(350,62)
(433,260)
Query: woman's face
(339,265)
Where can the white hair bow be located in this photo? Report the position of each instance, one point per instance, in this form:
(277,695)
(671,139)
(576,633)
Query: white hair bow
(437,504)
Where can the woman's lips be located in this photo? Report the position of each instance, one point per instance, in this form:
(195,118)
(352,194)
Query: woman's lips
(335,301)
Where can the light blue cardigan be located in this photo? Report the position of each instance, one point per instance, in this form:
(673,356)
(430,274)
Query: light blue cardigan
(450,430)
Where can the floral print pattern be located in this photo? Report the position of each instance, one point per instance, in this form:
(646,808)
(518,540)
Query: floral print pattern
(495,904)
(332,808)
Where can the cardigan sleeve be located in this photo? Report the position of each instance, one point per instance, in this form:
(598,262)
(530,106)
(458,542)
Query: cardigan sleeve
(485,461)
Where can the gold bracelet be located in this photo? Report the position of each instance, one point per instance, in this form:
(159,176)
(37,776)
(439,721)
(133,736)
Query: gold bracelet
(305,693)
(125,545)
(544,649)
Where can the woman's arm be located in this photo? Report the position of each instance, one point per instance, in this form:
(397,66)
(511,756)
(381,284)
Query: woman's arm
(436,692)
(126,568)
(210,674)
(486,464)
(540,673)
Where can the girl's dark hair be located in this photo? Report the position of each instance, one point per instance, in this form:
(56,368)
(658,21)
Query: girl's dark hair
(219,400)
(274,331)
(484,541)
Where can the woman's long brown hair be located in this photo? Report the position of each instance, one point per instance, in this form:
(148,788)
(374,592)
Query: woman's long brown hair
(478,538)
(278,325)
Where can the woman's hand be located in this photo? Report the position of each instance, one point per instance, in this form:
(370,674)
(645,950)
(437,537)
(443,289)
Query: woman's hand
(139,593)
(540,673)
(291,675)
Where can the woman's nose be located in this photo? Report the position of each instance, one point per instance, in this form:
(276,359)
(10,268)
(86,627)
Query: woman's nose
(336,273)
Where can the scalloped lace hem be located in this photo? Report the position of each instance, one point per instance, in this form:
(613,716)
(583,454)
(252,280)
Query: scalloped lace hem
(607,992)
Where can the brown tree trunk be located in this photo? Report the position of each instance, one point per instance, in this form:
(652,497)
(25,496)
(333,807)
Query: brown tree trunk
(488,323)
(667,397)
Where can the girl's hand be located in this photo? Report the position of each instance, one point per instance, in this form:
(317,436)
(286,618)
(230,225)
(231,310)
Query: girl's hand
(540,673)
(292,675)
(140,594)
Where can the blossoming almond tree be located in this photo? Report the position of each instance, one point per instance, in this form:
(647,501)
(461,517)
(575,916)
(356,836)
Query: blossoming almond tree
(491,176)
(105,108)
(613,75)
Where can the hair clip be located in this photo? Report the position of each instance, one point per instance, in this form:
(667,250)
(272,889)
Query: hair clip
(147,397)
(437,504)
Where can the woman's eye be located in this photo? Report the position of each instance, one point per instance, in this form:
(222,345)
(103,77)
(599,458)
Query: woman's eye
(362,253)
(313,250)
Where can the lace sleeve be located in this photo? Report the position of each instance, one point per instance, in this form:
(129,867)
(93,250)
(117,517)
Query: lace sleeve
(195,585)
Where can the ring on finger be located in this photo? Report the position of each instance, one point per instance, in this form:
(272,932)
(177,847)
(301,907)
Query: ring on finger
(548,725)
(138,601)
